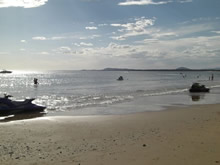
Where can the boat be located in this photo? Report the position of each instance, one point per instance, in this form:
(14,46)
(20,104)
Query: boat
(5,71)
(196,87)
(8,106)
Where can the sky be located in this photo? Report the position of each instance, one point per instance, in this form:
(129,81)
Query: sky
(96,34)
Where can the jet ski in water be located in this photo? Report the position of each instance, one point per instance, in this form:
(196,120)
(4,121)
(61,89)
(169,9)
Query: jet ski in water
(196,87)
(8,106)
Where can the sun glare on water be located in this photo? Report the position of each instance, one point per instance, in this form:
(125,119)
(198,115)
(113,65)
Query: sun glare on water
(24,72)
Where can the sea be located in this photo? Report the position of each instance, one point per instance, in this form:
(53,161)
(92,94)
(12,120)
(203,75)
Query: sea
(80,93)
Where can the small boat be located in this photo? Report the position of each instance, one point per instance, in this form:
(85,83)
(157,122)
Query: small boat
(8,106)
(196,87)
(5,71)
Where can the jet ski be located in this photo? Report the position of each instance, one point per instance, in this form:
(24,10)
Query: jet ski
(5,71)
(196,87)
(8,106)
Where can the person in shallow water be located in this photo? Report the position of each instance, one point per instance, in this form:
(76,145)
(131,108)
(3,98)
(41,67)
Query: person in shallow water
(36,81)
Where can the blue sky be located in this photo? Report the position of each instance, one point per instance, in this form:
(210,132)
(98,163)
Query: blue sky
(95,34)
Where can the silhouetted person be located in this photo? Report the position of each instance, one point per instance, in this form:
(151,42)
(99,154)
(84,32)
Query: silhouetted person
(36,81)
(212,78)
(120,78)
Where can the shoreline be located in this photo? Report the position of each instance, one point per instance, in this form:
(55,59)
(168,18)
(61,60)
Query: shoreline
(179,135)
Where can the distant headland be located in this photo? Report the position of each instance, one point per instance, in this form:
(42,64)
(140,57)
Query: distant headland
(177,69)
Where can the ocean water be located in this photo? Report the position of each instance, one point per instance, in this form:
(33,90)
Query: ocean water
(98,92)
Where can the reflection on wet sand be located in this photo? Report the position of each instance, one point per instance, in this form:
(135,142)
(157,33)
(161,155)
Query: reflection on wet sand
(197,97)
(21,116)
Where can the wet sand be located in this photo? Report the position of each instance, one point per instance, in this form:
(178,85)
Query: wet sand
(178,136)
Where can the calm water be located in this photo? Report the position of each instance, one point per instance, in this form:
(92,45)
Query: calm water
(98,92)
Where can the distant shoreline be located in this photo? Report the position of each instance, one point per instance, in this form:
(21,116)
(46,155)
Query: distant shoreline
(123,69)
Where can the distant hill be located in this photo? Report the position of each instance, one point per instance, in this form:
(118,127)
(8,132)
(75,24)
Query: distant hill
(126,69)
(183,68)
(119,69)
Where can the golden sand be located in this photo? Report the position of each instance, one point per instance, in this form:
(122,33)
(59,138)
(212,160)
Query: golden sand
(179,136)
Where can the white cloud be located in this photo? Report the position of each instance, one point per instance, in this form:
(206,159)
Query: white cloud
(53,38)
(193,28)
(138,27)
(91,28)
(23,41)
(151,52)
(22,3)
(39,38)
(64,49)
(112,50)
(58,38)
(86,44)
(89,37)
(217,32)
(83,44)
(42,38)
(76,44)
(144,27)
(163,44)
(164,34)
(150,2)
(119,38)
(142,2)
(104,24)
(65,37)
(185,1)
(95,36)
(44,53)
(192,47)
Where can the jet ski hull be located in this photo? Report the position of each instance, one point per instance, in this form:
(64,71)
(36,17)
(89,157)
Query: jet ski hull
(25,109)
(199,90)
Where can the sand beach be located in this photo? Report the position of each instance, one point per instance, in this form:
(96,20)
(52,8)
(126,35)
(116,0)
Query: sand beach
(104,82)
(187,135)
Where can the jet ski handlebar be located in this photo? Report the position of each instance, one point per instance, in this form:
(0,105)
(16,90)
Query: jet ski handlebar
(7,96)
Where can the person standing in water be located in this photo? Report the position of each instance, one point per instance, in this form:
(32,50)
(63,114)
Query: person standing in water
(36,81)
(212,78)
